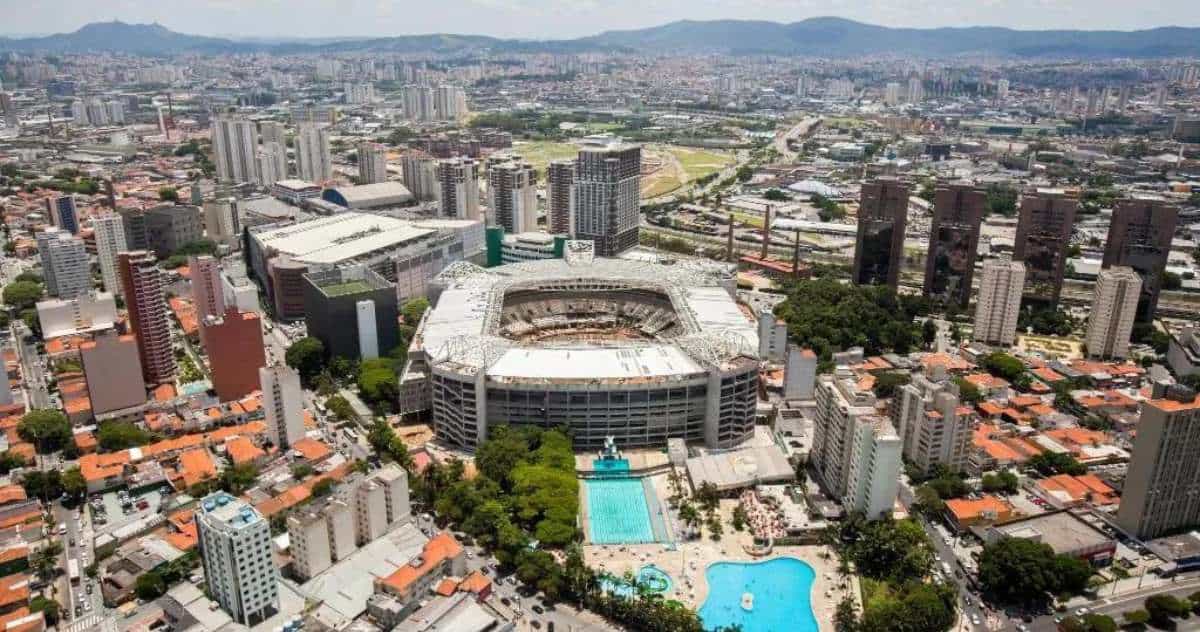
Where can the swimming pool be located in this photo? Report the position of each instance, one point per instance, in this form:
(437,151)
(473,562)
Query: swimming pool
(617,512)
(779,596)
(655,579)
(611,467)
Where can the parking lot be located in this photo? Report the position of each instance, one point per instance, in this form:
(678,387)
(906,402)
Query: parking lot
(113,510)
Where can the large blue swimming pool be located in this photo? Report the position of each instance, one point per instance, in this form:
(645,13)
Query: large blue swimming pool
(779,589)
(617,511)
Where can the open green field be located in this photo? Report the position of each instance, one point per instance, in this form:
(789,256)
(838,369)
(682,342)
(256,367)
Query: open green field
(698,163)
(539,153)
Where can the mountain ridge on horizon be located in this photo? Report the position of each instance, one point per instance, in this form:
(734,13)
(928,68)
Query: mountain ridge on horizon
(818,37)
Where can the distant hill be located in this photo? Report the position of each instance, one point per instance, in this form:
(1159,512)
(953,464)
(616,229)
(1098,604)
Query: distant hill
(825,37)
(836,37)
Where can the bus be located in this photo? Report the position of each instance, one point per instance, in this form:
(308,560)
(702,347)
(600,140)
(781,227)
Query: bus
(73,570)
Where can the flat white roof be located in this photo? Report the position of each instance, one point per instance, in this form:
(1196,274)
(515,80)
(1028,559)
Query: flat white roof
(340,237)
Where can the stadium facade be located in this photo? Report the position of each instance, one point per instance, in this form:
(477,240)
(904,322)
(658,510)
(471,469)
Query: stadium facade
(643,352)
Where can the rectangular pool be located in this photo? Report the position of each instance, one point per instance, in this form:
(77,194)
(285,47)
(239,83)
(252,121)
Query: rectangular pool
(617,512)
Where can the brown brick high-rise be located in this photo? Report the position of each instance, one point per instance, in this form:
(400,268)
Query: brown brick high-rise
(142,283)
(235,353)
(1140,237)
(1043,236)
(882,218)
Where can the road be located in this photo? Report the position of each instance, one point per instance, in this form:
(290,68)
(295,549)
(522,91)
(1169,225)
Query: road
(80,606)
(803,128)
(33,372)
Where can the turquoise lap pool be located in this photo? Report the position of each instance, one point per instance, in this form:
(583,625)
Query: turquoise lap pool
(617,511)
(760,596)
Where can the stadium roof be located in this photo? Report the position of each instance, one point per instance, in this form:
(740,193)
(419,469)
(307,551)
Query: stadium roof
(389,193)
(463,329)
(330,240)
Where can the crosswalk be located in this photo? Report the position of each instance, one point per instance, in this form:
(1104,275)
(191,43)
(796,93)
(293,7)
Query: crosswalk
(94,622)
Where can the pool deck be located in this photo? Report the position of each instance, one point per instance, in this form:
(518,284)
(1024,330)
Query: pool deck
(690,586)
(640,461)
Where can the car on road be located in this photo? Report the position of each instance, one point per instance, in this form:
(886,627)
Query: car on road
(538,609)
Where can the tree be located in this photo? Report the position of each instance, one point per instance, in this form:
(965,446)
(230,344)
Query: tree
(301,471)
(929,333)
(1171,281)
(1136,617)
(497,457)
(340,408)
(845,619)
(887,383)
(168,194)
(1021,571)
(413,310)
(238,478)
(22,295)
(1003,365)
(48,607)
(895,550)
(324,487)
(44,485)
(47,429)
(1163,608)
(1004,481)
(150,586)
(73,483)
(378,383)
(1001,199)
(968,393)
(775,195)
(1052,463)
(826,315)
(307,357)
(120,435)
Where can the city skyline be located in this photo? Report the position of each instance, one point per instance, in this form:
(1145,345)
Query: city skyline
(542,20)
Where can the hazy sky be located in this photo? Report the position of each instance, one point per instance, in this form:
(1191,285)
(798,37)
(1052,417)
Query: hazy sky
(554,19)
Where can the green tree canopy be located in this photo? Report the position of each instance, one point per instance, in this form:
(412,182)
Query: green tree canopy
(307,357)
(120,435)
(1021,571)
(22,295)
(47,429)
(413,310)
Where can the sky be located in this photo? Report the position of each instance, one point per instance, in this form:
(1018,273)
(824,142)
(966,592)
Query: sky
(561,19)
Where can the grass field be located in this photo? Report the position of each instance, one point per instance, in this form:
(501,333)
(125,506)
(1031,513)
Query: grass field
(539,153)
(698,163)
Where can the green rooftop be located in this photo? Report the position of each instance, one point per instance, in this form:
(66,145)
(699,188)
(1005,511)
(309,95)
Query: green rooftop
(342,289)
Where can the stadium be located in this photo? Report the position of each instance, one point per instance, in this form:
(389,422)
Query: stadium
(639,351)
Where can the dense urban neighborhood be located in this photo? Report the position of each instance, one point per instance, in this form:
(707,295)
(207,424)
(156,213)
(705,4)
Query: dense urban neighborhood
(657,332)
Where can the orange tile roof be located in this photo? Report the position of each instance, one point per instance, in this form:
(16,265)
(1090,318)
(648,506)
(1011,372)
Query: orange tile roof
(185,539)
(11,494)
(33,512)
(1047,374)
(476,583)
(446,587)
(14,589)
(185,313)
(14,552)
(951,362)
(986,381)
(196,466)
(85,441)
(440,548)
(242,450)
(1080,488)
(965,509)
(311,449)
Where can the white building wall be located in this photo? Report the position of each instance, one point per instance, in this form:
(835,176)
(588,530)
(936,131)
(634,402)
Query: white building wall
(282,404)
(368,337)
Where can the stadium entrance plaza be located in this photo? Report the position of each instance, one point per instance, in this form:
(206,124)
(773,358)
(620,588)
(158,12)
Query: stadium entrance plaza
(689,560)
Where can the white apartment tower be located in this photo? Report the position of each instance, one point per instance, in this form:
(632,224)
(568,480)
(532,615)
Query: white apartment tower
(856,453)
(220,221)
(420,176)
(109,230)
(458,180)
(607,195)
(1114,311)
(272,132)
(1162,488)
(560,197)
(235,547)
(372,163)
(319,536)
(934,428)
(272,163)
(235,145)
(282,404)
(66,268)
(799,373)
(313,160)
(999,302)
(450,103)
(512,196)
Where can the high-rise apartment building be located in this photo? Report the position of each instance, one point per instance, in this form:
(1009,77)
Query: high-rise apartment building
(113,372)
(953,243)
(8,109)
(66,268)
(1162,488)
(169,227)
(882,218)
(372,163)
(856,453)
(143,290)
(999,302)
(273,132)
(239,567)
(420,175)
(314,162)
(458,180)
(272,163)
(282,404)
(320,535)
(109,232)
(1139,236)
(133,220)
(207,295)
(607,194)
(1043,237)
(560,197)
(233,341)
(450,103)
(221,222)
(63,213)
(1114,310)
(512,196)
(891,94)
(235,144)
(380,501)
(418,103)
(934,427)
